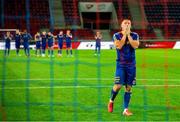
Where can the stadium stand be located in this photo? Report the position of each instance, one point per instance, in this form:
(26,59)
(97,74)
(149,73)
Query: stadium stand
(164,15)
(159,13)
(71,12)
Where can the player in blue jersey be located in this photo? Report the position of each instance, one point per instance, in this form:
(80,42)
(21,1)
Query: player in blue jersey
(37,39)
(8,39)
(17,41)
(60,38)
(50,39)
(98,38)
(43,39)
(126,42)
(26,37)
(68,42)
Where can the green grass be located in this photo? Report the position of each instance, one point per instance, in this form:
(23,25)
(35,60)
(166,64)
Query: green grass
(49,94)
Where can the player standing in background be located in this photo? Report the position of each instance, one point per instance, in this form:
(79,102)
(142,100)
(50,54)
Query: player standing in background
(43,38)
(126,42)
(68,43)
(8,39)
(60,38)
(37,39)
(17,41)
(50,38)
(98,38)
(26,38)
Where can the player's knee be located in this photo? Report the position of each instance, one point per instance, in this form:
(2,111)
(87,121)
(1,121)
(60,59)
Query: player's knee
(117,87)
(128,88)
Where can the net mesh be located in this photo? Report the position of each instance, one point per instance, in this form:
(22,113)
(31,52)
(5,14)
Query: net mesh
(78,88)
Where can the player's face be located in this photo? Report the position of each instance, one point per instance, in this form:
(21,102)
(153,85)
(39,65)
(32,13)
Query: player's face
(49,33)
(17,31)
(44,33)
(126,24)
(25,31)
(68,32)
(8,33)
(61,32)
(98,33)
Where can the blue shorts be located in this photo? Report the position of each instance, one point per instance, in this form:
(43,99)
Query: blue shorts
(7,46)
(68,44)
(98,45)
(50,44)
(125,74)
(43,46)
(60,45)
(18,45)
(38,45)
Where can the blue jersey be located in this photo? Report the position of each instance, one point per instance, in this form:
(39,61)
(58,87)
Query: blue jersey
(17,38)
(7,41)
(126,55)
(44,38)
(60,38)
(50,40)
(26,37)
(68,38)
(98,41)
(38,41)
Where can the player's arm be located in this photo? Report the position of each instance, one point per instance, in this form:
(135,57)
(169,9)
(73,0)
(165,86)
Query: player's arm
(119,43)
(100,36)
(53,39)
(30,37)
(133,43)
(95,37)
(35,38)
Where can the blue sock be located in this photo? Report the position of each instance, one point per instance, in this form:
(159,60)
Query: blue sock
(71,52)
(17,51)
(5,52)
(52,52)
(113,94)
(28,52)
(48,52)
(8,51)
(67,52)
(25,51)
(99,50)
(127,96)
(60,51)
(40,52)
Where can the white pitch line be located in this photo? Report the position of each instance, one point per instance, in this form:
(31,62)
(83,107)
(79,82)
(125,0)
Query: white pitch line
(92,79)
(77,87)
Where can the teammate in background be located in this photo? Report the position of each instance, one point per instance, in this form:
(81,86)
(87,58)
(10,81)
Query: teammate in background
(50,38)
(98,38)
(43,38)
(26,38)
(60,38)
(17,42)
(126,42)
(68,42)
(8,39)
(37,39)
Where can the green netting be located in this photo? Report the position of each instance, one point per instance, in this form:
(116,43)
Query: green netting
(78,88)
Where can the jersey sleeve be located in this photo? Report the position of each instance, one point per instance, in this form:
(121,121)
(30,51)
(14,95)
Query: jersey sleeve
(30,37)
(135,36)
(116,37)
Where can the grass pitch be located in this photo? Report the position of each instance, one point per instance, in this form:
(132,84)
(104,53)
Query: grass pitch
(78,88)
